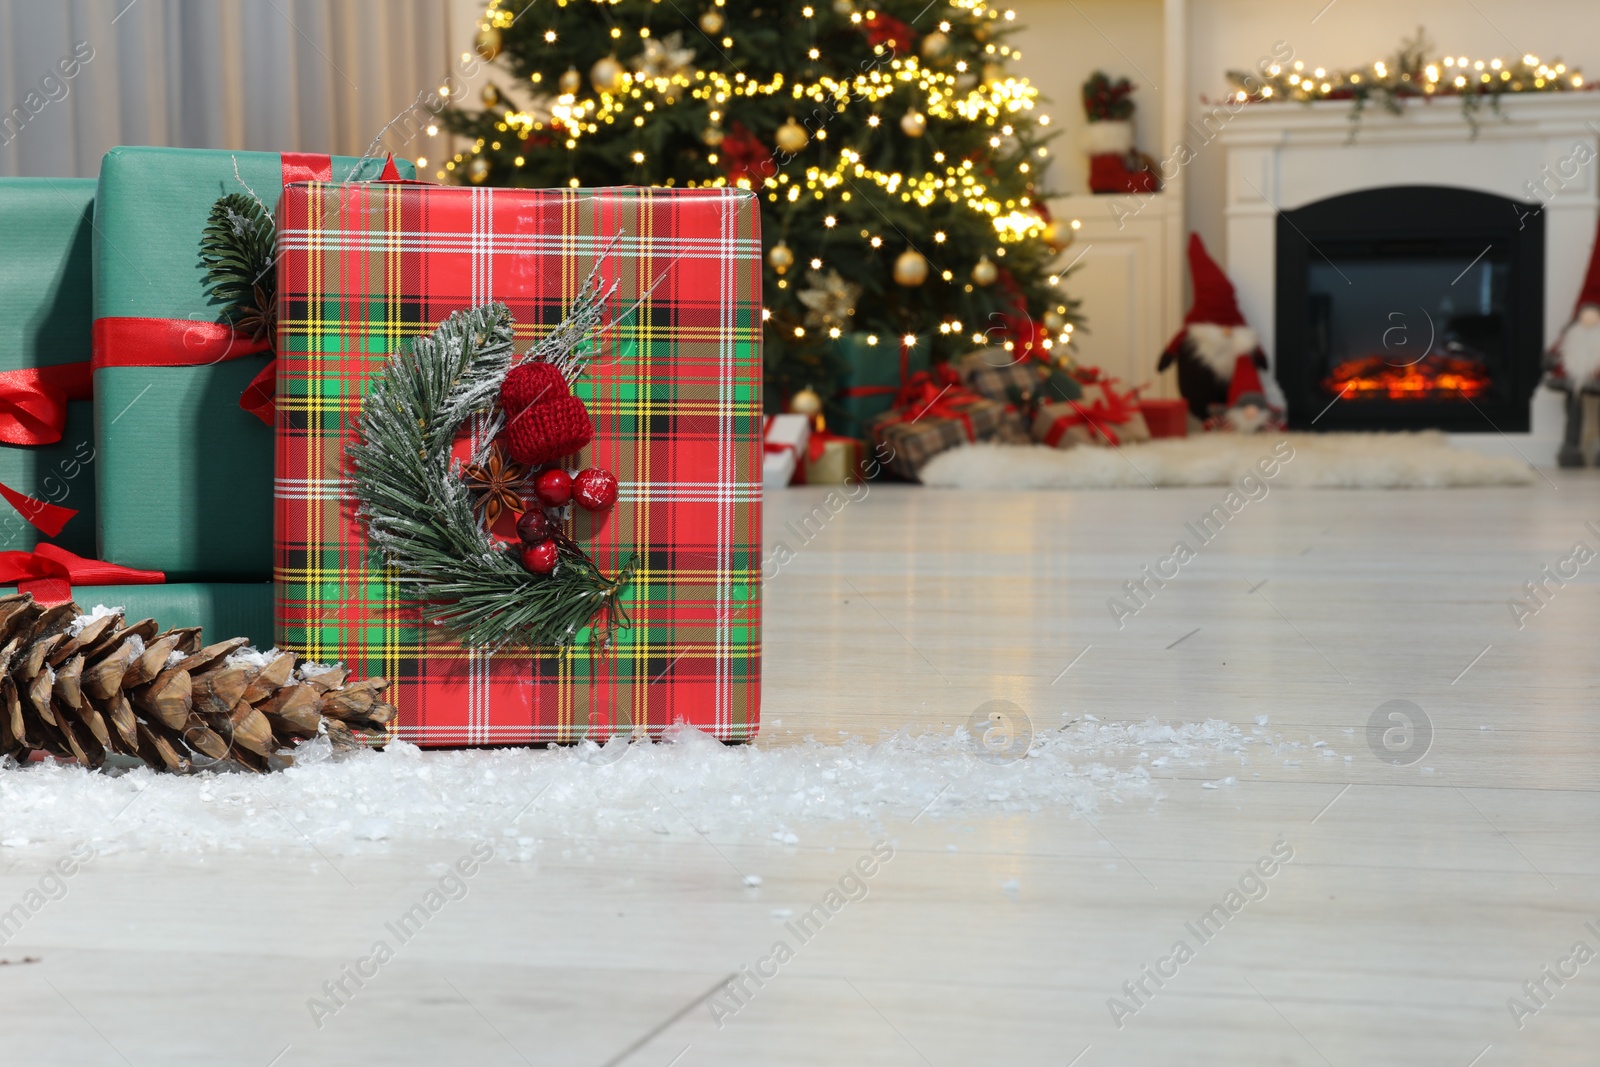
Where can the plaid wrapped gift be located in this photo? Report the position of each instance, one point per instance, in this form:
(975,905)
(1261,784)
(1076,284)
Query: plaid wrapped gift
(933,414)
(995,374)
(675,392)
(1103,415)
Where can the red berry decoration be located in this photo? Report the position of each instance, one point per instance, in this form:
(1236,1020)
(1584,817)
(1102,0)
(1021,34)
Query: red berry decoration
(553,487)
(535,526)
(595,489)
(540,558)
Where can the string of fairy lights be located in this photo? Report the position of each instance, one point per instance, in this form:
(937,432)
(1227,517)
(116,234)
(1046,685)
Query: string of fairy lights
(566,114)
(1411,75)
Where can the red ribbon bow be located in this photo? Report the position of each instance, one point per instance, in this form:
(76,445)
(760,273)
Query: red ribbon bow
(937,392)
(49,573)
(1108,409)
(33,412)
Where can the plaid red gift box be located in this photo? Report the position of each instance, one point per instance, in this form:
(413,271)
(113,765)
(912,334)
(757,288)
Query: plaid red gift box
(674,388)
(935,413)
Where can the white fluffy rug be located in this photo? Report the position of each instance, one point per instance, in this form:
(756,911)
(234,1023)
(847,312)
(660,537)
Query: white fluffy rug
(1423,460)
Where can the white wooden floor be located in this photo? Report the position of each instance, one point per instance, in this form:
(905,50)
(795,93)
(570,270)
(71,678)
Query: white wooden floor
(1417,901)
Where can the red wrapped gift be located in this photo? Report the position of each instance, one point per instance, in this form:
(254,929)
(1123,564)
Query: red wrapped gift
(1166,418)
(674,390)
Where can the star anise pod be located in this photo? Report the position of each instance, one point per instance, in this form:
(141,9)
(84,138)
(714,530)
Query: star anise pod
(259,319)
(498,483)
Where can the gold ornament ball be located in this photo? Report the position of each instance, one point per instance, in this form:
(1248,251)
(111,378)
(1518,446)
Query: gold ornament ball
(490,96)
(806,402)
(935,45)
(712,136)
(992,73)
(606,75)
(911,269)
(792,137)
(914,123)
(478,170)
(571,81)
(844,8)
(487,43)
(711,22)
(781,258)
(984,272)
(1057,236)
(1054,322)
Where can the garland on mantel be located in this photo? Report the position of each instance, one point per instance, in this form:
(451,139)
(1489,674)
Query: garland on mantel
(1409,75)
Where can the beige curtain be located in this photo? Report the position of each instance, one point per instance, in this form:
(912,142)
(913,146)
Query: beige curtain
(78,77)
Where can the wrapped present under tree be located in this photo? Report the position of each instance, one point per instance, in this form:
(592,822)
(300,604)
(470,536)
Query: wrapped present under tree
(935,413)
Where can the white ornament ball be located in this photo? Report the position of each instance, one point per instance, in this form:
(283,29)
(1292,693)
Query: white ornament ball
(913,123)
(935,45)
(984,272)
(606,75)
(571,81)
(478,170)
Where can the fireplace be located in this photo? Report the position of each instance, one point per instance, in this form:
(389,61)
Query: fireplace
(1410,307)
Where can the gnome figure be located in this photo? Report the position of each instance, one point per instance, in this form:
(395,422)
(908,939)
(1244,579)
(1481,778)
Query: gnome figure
(1213,337)
(1248,410)
(1573,363)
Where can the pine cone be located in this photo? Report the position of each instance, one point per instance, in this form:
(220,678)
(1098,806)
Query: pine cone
(114,688)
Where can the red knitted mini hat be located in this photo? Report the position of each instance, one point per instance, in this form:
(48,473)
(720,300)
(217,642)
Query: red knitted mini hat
(530,382)
(547,430)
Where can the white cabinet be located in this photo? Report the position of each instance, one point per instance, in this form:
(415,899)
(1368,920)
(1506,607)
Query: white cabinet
(1126,270)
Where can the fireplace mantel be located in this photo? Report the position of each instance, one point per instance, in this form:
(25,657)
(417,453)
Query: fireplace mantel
(1285,156)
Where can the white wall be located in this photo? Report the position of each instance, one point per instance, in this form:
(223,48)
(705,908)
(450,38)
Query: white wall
(1063,43)
(1067,39)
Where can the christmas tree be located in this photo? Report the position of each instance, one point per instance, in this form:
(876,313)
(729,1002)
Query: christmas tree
(894,157)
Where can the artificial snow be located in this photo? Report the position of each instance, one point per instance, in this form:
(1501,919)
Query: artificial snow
(249,657)
(687,784)
(99,611)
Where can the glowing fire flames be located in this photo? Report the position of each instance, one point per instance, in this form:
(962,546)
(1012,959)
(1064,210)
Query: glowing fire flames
(1433,377)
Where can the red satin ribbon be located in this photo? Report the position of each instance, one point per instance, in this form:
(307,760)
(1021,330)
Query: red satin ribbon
(815,447)
(33,401)
(49,573)
(33,412)
(152,342)
(306,167)
(883,390)
(923,395)
(769,446)
(131,342)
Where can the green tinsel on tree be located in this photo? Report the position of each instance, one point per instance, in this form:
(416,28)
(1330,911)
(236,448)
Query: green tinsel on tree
(886,142)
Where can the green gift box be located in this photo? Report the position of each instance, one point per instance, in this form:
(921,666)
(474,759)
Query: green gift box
(221,609)
(46,303)
(184,479)
(872,376)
